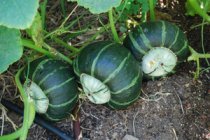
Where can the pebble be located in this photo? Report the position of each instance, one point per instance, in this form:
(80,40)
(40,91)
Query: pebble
(129,137)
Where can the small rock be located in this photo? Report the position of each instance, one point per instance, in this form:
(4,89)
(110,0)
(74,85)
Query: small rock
(114,135)
(187,85)
(129,137)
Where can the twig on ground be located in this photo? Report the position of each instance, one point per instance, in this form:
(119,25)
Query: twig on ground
(114,126)
(89,114)
(180,102)
(175,135)
(154,96)
(134,118)
(179,98)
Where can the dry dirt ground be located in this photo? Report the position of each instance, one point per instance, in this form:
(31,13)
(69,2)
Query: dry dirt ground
(176,107)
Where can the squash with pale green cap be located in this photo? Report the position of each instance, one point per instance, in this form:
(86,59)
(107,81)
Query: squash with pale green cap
(52,85)
(158,45)
(109,74)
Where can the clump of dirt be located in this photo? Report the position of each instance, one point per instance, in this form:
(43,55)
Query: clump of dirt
(170,108)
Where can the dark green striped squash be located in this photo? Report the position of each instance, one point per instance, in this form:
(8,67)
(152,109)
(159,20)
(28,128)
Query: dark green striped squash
(109,74)
(158,46)
(52,85)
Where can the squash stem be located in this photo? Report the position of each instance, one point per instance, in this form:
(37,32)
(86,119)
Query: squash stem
(51,53)
(29,44)
(202,42)
(13,135)
(29,112)
(113,29)
(43,7)
(151,9)
(29,108)
(64,44)
(61,42)
(195,56)
(57,54)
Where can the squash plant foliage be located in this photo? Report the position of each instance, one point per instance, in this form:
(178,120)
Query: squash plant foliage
(129,8)
(14,15)
(200,7)
(98,6)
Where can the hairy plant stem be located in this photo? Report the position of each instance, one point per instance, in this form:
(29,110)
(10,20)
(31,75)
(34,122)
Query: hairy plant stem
(64,44)
(151,9)
(43,6)
(30,44)
(202,41)
(61,42)
(195,56)
(113,29)
(13,135)
(29,113)
(49,51)
(57,54)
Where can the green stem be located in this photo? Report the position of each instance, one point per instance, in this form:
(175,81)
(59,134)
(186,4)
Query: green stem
(198,25)
(195,56)
(30,44)
(51,53)
(66,19)
(206,56)
(202,41)
(103,29)
(63,8)
(29,113)
(61,42)
(13,135)
(43,7)
(194,4)
(151,9)
(29,108)
(113,29)
(57,54)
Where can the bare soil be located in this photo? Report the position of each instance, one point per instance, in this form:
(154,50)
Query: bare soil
(175,107)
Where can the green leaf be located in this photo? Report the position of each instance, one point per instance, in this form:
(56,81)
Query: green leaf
(191,10)
(98,6)
(131,8)
(18,13)
(10,47)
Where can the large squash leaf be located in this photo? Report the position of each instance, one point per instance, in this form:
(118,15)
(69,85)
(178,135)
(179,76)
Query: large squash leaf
(18,13)
(98,6)
(10,47)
